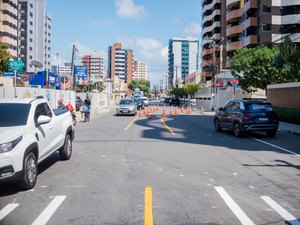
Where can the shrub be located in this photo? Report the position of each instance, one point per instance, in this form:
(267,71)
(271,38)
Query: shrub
(288,115)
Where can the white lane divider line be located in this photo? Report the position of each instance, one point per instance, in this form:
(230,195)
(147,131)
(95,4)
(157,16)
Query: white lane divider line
(275,146)
(49,211)
(238,212)
(7,210)
(281,211)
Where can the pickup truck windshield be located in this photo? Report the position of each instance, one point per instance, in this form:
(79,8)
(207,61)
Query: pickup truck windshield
(13,114)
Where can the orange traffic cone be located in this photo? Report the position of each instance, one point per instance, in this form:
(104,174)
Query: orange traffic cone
(171,111)
(141,113)
(202,110)
(176,111)
(164,113)
(182,109)
(145,111)
(149,115)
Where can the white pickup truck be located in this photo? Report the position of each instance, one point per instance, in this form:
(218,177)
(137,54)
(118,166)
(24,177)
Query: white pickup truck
(30,131)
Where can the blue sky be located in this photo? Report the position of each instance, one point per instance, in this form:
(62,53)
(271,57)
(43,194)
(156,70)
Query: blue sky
(142,25)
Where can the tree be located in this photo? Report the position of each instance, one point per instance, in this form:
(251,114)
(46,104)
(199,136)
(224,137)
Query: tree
(143,85)
(4,57)
(255,67)
(96,85)
(178,92)
(191,89)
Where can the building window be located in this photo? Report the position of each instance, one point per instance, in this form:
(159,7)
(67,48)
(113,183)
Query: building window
(30,31)
(30,48)
(31,6)
(30,39)
(31,14)
(30,57)
(266,8)
(31,23)
(267,27)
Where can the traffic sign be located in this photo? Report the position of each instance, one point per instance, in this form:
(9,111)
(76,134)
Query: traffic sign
(15,65)
(11,74)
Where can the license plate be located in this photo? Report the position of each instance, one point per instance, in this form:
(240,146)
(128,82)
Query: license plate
(125,111)
(263,119)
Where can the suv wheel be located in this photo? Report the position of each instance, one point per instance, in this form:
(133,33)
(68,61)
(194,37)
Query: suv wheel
(66,151)
(217,125)
(271,133)
(236,129)
(30,172)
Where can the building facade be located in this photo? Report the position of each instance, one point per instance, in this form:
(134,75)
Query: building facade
(182,59)
(35,35)
(9,25)
(140,71)
(94,64)
(120,63)
(228,25)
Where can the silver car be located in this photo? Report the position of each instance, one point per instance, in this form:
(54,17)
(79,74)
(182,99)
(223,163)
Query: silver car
(126,107)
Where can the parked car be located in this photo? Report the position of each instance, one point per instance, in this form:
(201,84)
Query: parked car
(243,116)
(162,99)
(126,107)
(138,101)
(78,103)
(146,101)
(167,100)
(174,101)
(30,131)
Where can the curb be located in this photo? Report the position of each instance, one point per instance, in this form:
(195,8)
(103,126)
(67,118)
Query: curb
(291,132)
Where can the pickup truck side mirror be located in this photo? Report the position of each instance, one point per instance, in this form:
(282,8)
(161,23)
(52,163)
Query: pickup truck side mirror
(43,119)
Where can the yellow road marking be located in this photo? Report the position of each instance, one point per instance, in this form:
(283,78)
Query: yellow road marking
(148,219)
(171,131)
(132,122)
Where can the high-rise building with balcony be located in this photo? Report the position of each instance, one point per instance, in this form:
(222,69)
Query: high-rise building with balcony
(228,25)
(35,34)
(182,59)
(120,63)
(140,71)
(95,66)
(9,25)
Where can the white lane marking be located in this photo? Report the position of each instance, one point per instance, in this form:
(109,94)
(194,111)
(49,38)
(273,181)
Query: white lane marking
(49,211)
(238,212)
(281,211)
(275,146)
(7,210)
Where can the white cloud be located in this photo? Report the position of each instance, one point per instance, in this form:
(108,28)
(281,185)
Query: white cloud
(164,52)
(86,50)
(192,29)
(58,60)
(101,23)
(128,9)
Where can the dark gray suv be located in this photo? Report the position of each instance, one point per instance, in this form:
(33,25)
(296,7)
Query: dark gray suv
(243,116)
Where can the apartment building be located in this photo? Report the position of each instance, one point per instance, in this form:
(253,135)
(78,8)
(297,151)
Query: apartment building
(140,71)
(35,34)
(228,25)
(182,59)
(94,64)
(9,25)
(120,63)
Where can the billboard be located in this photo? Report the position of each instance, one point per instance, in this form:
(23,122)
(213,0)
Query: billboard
(81,75)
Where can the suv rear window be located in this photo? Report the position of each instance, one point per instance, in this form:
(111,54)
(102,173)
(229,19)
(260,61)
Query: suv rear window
(259,106)
(14,114)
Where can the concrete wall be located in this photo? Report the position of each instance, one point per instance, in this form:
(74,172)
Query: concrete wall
(284,95)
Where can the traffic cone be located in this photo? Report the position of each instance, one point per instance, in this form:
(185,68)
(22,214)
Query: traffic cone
(141,113)
(149,115)
(157,107)
(145,111)
(176,111)
(171,111)
(202,110)
(164,113)
(182,109)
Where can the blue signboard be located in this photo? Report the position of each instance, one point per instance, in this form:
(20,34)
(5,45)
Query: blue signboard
(81,75)
(11,74)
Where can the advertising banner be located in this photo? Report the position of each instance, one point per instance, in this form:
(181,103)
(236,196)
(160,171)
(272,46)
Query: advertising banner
(81,75)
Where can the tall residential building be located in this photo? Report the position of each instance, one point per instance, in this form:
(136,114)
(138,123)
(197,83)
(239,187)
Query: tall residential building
(120,63)
(9,25)
(35,34)
(183,59)
(94,64)
(140,71)
(228,25)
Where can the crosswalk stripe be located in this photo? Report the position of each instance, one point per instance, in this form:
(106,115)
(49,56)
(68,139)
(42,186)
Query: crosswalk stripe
(7,210)
(281,211)
(49,211)
(238,212)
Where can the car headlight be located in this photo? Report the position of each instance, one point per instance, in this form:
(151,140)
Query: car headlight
(131,107)
(6,147)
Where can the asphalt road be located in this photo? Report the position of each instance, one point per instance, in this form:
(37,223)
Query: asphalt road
(179,168)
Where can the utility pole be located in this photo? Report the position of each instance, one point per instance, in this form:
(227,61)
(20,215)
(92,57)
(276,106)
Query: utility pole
(176,75)
(72,66)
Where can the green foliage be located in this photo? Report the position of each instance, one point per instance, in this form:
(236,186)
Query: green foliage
(4,57)
(255,67)
(191,89)
(178,92)
(288,115)
(143,85)
(96,85)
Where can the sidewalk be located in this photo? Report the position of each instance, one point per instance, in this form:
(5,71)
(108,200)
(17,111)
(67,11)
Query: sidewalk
(95,112)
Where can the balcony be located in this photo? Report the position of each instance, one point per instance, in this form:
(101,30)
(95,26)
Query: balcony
(232,2)
(210,6)
(210,28)
(210,17)
(251,22)
(235,15)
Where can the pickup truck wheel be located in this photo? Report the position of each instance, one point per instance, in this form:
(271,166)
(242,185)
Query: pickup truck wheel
(30,172)
(66,151)
(217,125)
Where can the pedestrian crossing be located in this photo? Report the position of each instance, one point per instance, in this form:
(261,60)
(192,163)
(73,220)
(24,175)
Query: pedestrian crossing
(220,192)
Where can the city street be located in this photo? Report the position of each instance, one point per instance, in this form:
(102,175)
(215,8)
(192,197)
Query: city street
(178,168)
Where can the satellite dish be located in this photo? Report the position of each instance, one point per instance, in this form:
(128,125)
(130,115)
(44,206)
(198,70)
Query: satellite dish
(36,64)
